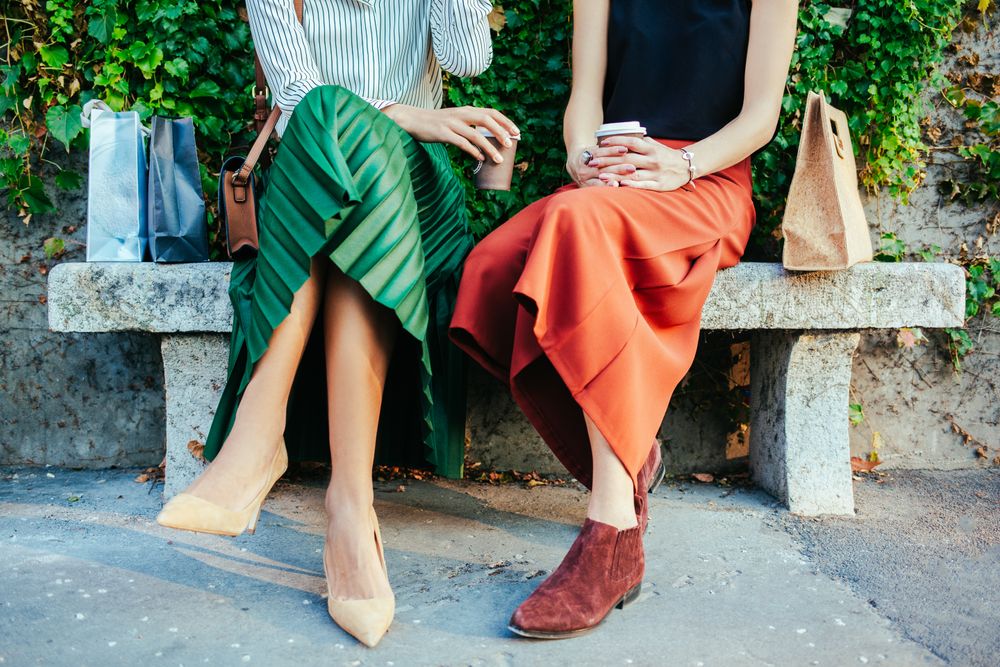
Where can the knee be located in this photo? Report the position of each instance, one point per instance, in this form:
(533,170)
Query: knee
(491,264)
(583,211)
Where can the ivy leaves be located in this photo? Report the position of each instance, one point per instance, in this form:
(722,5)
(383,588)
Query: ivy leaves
(177,57)
(63,123)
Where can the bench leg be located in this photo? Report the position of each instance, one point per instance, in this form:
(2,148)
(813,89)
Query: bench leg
(194,373)
(799,443)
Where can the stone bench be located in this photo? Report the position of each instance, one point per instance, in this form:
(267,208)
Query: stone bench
(805,331)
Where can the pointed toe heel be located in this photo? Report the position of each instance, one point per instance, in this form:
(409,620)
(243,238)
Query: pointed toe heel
(367,620)
(189,512)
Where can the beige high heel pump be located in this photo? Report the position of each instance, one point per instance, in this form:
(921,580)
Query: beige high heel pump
(367,619)
(187,512)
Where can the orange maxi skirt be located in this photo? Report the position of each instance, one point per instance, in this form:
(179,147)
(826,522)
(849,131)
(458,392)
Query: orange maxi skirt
(589,301)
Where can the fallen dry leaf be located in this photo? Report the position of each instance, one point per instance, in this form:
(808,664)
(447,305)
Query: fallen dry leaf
(981,451)
(859,464)
(197,450)
(497,19)
(703,477)
(142,479)
(909,338)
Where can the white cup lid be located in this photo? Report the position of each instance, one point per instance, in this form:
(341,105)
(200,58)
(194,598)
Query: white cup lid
(486,133)
(611,129)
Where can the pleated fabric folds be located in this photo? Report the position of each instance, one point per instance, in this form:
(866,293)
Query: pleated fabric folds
(588,302)
(349,184)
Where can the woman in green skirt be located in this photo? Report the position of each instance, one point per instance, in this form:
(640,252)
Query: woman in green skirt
(340,329)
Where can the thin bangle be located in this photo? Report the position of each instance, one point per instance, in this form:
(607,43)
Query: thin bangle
(689,156)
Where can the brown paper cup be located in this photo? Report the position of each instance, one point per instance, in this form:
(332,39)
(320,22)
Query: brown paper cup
(489,175)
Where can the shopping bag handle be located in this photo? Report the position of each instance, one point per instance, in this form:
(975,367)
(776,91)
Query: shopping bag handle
(101,105)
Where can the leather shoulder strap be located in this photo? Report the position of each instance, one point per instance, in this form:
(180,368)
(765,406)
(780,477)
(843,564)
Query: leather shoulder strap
(241,177)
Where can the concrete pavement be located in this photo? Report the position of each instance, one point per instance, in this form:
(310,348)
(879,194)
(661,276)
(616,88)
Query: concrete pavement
(88,578)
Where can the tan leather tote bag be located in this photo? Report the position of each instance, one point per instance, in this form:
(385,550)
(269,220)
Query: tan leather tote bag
(824,224)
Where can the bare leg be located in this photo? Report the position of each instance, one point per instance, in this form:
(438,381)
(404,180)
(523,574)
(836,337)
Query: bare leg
(611,497)
(234,477)
(360,335)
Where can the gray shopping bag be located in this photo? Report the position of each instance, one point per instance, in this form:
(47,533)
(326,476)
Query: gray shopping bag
(116,191)
(177,228)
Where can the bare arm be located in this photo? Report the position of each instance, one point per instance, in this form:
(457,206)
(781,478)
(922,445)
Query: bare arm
(585,112)
(772,39)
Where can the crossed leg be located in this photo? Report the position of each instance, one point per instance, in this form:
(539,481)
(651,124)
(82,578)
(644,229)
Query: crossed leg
(359,335)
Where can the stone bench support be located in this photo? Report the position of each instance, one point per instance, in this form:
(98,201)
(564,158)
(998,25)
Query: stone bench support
(805,333)
(194,373)
(799,393)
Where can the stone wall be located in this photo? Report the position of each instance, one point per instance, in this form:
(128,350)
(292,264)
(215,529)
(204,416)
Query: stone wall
(70,400)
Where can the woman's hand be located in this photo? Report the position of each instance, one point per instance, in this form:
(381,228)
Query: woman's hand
(582,173)
(640,163)
(456,126)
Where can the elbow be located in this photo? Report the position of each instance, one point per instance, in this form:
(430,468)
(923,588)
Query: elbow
(764,124)
(471,64)
(767,131)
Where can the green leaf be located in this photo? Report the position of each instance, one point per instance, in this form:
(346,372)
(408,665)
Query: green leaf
(177,67)
(101,27)
(35,198)
(64,123)
(69,180)
(205,88)
(855,413)
(53,247)
(54,56)
(148,63)
(18,143)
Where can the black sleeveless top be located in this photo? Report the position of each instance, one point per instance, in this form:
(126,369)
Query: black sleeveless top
(676,66)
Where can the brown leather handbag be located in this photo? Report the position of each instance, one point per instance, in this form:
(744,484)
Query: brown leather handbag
(238,186)
(824,224)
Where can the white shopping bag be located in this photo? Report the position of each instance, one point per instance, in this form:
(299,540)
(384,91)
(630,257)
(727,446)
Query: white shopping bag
(116,193)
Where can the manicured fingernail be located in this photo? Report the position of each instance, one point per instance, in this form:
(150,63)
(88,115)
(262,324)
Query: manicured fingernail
(498,159)
(506,142)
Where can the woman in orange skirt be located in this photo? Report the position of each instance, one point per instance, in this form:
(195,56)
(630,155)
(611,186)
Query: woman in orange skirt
(588,302)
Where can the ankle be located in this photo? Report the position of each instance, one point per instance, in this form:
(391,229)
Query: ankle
(619,521)
(616,512)
(347,505)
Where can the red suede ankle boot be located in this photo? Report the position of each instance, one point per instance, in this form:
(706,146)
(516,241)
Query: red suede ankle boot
(650,476)
(602,570)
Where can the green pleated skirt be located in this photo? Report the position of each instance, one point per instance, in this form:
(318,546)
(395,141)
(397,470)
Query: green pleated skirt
(349,184)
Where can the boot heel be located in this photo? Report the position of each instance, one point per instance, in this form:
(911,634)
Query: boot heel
(658,476)
(629,597)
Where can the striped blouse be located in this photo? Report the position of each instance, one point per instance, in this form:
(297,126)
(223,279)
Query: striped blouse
(385,51)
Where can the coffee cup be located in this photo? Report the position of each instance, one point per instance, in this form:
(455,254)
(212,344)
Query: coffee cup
(492,176)
(628,129)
